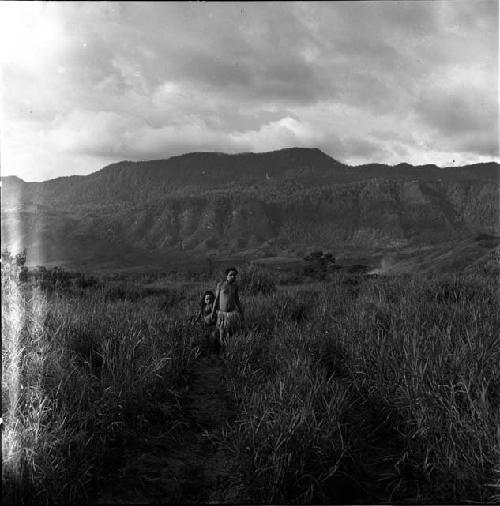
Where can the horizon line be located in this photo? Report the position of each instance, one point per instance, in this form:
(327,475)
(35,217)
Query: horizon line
(250,153)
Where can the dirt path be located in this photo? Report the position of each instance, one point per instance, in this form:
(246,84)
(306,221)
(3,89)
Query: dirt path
(188,466)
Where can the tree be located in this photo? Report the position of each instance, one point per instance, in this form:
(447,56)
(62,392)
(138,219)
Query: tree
(320,263)
(13,267)
(21,258)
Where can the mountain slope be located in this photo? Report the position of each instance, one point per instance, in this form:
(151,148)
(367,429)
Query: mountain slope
(150,180)
(260,204)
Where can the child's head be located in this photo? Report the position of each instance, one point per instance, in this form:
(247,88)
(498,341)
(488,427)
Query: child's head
(208,297)
(231,274)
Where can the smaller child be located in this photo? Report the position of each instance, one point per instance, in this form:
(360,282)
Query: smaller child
(206,307)
(208,319)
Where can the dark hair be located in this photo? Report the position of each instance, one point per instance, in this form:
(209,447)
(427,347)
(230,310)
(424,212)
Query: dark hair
(231,269)
(202,302)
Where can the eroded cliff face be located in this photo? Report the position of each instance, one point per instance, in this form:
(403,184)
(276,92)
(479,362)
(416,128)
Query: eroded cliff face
(379,214)
(292,200)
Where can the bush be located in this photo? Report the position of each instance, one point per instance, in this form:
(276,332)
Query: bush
(83,281)
(319,264)
(14,269)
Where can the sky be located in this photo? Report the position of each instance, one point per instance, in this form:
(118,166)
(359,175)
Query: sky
(85,84)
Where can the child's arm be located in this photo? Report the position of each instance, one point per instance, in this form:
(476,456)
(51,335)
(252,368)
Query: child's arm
(199,316)
(215,305)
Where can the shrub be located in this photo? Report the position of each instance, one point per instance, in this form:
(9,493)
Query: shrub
(319,263)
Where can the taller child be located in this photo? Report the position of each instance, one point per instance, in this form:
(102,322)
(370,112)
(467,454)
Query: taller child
(227,304)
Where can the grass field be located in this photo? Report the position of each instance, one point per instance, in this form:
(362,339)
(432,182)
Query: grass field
(351,390)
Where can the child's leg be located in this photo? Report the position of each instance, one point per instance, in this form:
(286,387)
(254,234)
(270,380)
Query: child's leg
(215,342)
(221,339)
(208,338)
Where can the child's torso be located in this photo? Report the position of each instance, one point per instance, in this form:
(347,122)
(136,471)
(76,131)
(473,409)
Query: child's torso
(207,314)
(227,300)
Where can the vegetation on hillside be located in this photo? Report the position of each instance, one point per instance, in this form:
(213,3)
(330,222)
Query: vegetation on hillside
(154,211)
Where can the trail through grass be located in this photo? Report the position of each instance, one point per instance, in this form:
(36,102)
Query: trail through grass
(185,464)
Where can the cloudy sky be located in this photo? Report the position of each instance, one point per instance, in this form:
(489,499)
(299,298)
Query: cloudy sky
(85,84)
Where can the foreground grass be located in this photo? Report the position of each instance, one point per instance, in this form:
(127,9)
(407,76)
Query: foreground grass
(383,391)
(82,378)
(357,390)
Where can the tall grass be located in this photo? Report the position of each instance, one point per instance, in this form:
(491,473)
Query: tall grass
(387,390)
(356,390)
(82,378)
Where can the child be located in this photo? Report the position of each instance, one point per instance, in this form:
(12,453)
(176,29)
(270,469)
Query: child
(206,307)
(228,306)
(205,315)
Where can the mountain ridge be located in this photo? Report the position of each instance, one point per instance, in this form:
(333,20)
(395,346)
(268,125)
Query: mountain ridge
(196,155)
(257,204)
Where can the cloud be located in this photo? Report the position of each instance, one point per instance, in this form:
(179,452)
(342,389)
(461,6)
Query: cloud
(100,133)
(464,118)
(286,132)
(90,82)
(107,134)
(486,144)
(364,148)
(457,111)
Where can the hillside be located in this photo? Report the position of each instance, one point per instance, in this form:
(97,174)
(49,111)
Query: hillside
(287,201)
